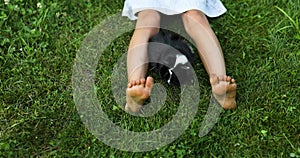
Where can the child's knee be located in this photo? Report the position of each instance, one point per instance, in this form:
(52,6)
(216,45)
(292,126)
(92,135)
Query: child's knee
(148,20)
(149,16)
(192,19)
(193,14)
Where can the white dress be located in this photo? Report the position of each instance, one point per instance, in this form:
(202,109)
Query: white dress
(211,8)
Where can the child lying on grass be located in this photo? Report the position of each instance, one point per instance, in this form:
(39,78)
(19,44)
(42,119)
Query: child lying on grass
(193,14)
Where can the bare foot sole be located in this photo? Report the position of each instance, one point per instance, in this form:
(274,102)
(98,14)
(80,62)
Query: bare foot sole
(137,92)
(224,90)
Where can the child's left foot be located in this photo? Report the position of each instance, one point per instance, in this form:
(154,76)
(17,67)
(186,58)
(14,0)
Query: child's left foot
(224,90)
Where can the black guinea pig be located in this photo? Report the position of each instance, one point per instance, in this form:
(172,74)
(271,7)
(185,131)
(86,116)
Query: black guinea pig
(171,57)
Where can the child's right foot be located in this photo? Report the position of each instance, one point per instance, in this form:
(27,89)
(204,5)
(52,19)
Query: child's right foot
(224,90)
(137,92)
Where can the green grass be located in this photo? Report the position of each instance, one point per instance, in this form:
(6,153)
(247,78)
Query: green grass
(38,116)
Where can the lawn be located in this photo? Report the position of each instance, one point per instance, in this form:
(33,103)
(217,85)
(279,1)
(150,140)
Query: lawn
(40,40)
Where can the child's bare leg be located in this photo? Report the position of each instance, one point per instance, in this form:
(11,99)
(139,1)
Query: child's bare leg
(139,88)
(223,87)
